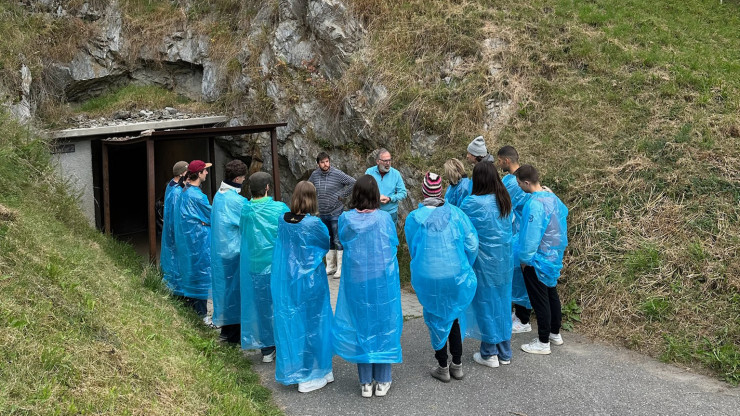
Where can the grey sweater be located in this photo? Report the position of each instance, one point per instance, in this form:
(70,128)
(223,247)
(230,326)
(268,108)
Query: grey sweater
(331,187)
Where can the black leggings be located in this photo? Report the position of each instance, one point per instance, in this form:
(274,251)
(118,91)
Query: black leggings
(454,340)
(546,304)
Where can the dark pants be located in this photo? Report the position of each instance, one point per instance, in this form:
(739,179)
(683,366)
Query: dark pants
(199,305)
(332,223)
(522,313)
(546,304)
(231,333)
(454,340)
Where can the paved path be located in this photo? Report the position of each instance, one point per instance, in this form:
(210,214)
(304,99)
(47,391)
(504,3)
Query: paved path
(578,378)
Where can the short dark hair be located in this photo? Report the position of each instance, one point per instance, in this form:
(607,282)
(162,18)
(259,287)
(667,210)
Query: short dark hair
(258,183)
(527,173)
(321,156)
(365,194)
(508,152)
(486,181)
(234,169)
(193,176)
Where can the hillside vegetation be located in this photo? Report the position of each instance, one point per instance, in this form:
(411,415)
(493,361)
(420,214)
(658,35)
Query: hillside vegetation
(630,109)
(84,327)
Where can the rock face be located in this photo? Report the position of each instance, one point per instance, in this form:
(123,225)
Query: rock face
(293,55)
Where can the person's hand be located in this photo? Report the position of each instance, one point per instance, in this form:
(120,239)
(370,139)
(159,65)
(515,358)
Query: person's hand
(384,199)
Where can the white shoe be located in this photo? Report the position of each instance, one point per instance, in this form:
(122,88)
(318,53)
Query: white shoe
(312,385)
(338,273)
(537,347)
(381,389)
(504,362)
(518,327)
(329,377)
(269,357)
(556,339)
(491,361)
(367,390)
(331,262)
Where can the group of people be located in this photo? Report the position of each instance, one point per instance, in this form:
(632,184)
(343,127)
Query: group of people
(485,244)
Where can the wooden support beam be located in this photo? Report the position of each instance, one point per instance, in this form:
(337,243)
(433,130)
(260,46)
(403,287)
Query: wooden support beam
(106,191)
(275,167)
(151,201)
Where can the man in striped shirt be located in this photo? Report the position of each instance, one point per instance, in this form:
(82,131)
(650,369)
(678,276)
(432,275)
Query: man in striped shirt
(332,187)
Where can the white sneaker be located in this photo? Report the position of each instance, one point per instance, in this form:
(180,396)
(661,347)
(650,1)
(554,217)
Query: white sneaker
(269,357)
(329,377)
(537,347)
(381,389)
(312,385)
(367,390)
(518,327)
(491,361)
(556,339)
(504,362)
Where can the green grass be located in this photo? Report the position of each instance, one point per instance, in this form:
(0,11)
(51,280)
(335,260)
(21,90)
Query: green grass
(132,97)
(86,328)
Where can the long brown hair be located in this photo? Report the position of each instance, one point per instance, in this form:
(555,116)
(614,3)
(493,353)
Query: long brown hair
(486,181)
(304,199)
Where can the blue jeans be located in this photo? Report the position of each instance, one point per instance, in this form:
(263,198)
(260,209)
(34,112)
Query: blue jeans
(378,372)
(331,223)
(502,349)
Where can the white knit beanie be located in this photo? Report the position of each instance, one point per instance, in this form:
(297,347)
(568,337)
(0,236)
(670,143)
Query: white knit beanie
(478,147)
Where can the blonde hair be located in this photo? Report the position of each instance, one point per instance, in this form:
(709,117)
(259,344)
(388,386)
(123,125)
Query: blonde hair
(304,199)
(454,171)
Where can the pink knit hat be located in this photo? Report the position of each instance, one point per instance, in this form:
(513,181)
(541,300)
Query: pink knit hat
(431,186)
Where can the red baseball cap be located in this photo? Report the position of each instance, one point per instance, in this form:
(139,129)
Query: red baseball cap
(198,165)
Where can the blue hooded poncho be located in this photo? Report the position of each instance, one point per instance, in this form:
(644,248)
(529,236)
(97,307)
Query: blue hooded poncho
(194,245)
(259,223)
(489,315)
(544,236)
(518,199)
(368,320)
(443,246)
(225,248)
(300,295)
(455,194)
(168,253)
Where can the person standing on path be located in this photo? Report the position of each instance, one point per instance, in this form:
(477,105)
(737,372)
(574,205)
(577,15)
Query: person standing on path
(460,186)
(368,320)
(390,183)
(258,225)
(443,244)
(300,295)
(489,315)
(477,152)
(194,245)
(332,187)
(542,240)
(225,251)
(507,160)
(168,252)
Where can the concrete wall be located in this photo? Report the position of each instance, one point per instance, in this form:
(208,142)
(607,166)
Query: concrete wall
(75,165)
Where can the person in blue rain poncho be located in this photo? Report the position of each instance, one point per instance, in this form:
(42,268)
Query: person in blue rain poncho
(541,244)
(507,159)
(225,249)
(300,295)
(489,315)
(368,320)
(443,246)
(194,243)
(460,186)
(258,226)
(168,252)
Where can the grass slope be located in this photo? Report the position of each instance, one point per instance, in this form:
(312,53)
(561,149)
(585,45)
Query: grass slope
(84,327)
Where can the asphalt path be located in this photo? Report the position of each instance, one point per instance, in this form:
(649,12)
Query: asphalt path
(578,378)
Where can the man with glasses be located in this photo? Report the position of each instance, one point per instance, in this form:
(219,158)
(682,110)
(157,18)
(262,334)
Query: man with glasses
(390,183)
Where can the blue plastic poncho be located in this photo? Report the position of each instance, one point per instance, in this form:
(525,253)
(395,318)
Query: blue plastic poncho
(443,246)
(225,248)
(194,244)
(544,236)
(300,295)
(489,315)
(168,252)
(258,226)
(518,199)
(368,320)
(455,194)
